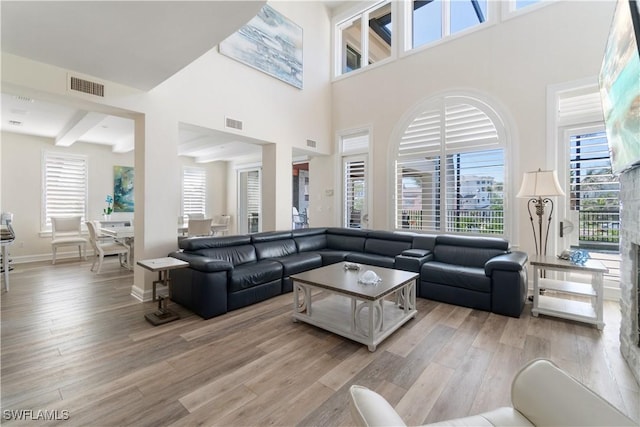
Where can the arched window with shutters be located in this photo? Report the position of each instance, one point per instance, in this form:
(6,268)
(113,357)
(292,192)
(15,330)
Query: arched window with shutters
(450,173)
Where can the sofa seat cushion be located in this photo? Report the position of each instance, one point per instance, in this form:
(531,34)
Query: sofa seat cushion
(371,259)
(456,275)
(331,256)
(297,263)
(246,276)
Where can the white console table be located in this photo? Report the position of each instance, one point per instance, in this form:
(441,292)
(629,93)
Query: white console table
(559,305)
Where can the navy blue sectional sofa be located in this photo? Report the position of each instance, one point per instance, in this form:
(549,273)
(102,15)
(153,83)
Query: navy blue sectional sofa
(226,273)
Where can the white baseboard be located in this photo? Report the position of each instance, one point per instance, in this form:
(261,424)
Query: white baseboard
(47,257)
(140,294)
(147,295)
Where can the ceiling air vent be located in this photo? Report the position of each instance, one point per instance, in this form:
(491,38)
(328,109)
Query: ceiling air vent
(311,143)
(86,86)
(232,123)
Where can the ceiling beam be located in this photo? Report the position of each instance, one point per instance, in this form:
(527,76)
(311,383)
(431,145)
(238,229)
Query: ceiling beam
(79,125)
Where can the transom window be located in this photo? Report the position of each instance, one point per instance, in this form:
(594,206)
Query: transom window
(433,20)
(366,35)
(450,169)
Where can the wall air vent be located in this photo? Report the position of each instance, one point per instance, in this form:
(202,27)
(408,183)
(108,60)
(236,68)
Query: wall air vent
(232,123)
(86,86)
(15,123)
(311,143)
(23,99)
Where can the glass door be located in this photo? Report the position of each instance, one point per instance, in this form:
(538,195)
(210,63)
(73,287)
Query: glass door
(591,217)
(355,209)
(249,201)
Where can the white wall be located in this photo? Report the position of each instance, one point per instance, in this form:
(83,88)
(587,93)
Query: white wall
(511,64)
(203,93)
(22,187)
(21,174)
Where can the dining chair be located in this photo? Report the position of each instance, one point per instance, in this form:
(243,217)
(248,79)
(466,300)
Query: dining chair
(199,227)
(222,224)
(101,249)
(66,231)
(195,216)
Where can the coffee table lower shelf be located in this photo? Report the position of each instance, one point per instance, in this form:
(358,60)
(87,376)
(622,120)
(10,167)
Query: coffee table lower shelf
(349,317)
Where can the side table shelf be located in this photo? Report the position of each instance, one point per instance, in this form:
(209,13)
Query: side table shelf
(583,311)
(163,266)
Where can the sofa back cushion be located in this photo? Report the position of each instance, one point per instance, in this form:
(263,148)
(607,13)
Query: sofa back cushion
(275,248)
(387,243)
(310,239)
(424,241)
(346,239)
(468,251)
(194,244)
(236,255)
(311,243)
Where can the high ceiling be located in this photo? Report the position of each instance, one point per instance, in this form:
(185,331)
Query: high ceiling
(135,43)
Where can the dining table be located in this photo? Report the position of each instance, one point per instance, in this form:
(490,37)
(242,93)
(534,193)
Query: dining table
(122,234)
(215,228)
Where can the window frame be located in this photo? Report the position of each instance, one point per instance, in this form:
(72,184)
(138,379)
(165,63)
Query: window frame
(359,150)
(509,10)
(45,214)
(572,107)
(361,13)
(445,22)
(438,103)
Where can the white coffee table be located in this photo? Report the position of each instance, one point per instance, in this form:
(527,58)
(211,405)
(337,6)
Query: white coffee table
(362,313)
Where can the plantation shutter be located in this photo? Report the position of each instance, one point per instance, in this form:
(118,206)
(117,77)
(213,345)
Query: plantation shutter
(423,136)
(468,128)
(354,192)
(194,191)
(580,108)
(65,187)
(594,191)
(418,187)
(253,194)
(474,194)
(451,152)
(356,143)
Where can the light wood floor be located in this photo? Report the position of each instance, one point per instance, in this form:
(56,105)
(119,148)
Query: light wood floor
(76,341)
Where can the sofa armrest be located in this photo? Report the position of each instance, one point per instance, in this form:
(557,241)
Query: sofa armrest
(513,261)
(412,261)
(416,253)
(201,263)
(547,395)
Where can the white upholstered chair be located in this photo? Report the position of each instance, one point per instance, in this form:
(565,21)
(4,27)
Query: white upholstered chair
(542,394)
(67,231)
(222,224)
(199,227)
(103,248)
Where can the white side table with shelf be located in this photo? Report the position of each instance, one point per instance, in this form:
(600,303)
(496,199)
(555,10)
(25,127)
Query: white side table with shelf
(583,311)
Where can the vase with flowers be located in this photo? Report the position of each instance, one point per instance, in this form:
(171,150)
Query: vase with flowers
(106,212)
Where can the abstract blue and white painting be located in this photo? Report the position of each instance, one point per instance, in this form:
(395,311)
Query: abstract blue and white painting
(123,195)
(270,43)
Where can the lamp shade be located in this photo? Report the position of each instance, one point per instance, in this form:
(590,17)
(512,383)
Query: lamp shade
(540,184)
